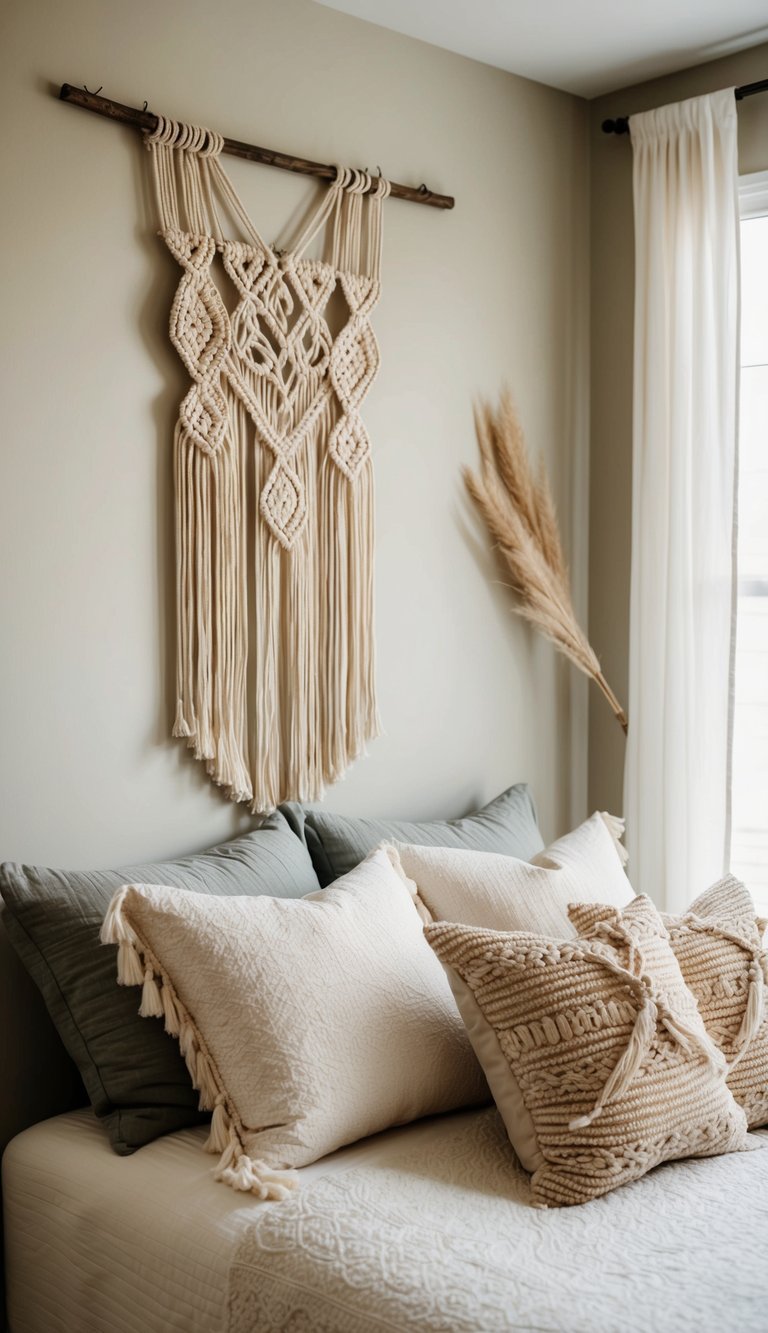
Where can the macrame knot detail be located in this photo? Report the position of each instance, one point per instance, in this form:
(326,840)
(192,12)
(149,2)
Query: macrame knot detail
(283,504)
(757,975)
(651,1010)
(273,479)
(354,364)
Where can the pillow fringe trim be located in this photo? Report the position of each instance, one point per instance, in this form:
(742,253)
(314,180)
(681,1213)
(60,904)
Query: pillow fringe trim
(138,966)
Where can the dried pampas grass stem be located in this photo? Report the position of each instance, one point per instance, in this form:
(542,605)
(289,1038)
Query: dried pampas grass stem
(519,512)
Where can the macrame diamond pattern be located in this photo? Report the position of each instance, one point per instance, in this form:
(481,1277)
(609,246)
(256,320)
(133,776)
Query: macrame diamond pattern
(200,333)
(276,347)
(275,654)
(354,364)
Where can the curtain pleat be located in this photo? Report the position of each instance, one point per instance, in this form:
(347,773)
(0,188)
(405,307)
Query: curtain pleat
(676,782)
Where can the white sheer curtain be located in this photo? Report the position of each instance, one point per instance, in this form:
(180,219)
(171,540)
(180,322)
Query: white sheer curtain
(676,786)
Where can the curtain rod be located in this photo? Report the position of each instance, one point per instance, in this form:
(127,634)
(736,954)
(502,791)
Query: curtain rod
(147,120)
(621,124)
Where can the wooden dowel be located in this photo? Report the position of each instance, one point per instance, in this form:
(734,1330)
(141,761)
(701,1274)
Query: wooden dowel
(147,120)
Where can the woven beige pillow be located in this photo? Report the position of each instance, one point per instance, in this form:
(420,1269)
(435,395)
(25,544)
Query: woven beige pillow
(719,946)
(305,1023)
(504,893)
(593,1048)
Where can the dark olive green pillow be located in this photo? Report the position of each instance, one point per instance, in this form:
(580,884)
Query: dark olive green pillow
(132,1070)
(338,843)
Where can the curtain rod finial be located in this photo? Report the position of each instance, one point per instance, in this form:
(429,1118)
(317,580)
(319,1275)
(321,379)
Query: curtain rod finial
(618,126)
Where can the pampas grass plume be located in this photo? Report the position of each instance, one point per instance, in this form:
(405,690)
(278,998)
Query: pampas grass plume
(517,507)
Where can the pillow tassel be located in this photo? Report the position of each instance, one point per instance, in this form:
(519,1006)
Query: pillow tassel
(156,1001)
(193,1058)
(170,1012)
(235,1167)
(129,969)
(204,1081)
(691,1042)
(240,1172)
(218,1139)
(754,1013)
(116,930)
(187,1045)
(151,1002)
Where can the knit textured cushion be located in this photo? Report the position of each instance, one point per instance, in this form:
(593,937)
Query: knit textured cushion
(719,946)
(305,1024)
(132,1071)
(593,1047)
(504,893)
(337,843)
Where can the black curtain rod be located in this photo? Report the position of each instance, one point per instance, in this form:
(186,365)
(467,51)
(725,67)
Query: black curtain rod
(621,124)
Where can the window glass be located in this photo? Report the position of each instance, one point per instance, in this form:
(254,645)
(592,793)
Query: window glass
(749,843)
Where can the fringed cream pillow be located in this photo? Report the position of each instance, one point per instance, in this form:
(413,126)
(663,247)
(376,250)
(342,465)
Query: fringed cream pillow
(593,1047)
(305,1023)
(719,946)
(504,893)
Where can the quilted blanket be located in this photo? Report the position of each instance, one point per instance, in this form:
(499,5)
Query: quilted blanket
(443,1239)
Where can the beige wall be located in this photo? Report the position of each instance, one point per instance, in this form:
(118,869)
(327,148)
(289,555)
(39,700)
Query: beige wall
(470,700)
(612,301)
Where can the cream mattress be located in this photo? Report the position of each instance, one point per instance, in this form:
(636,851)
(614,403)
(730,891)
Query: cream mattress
(97,1243)
(425,1228)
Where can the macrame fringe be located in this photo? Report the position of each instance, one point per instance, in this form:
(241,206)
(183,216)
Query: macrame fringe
(276,704)
(615,827)
(137,967)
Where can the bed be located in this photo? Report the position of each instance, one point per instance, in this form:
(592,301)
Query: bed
(428,1227)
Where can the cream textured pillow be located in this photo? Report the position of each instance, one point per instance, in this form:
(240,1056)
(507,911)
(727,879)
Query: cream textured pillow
(305,1023)
(719,946)
(593,1047)
(503,893)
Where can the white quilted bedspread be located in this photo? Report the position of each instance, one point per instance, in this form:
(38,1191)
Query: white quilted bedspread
(441,1238)
(423,1228)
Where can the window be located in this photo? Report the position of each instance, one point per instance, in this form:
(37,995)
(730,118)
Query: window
(749,815)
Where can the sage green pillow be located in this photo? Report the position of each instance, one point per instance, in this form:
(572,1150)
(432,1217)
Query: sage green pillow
(132,1070)
(338,843)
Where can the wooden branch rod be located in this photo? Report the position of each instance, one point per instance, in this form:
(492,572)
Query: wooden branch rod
(147,120)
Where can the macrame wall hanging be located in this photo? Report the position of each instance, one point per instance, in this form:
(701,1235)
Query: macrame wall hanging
(273,476)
